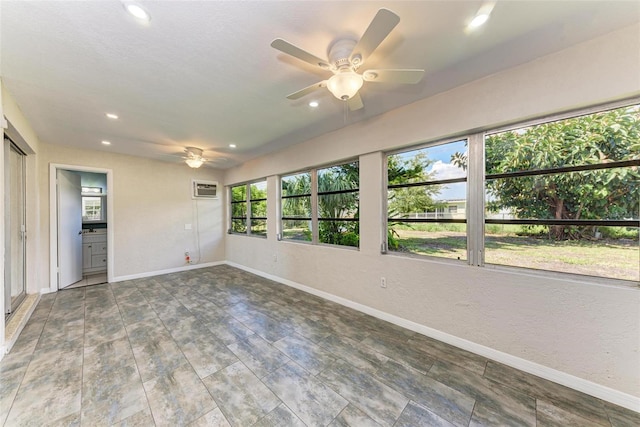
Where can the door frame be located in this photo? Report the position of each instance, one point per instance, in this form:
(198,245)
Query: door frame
(53,219)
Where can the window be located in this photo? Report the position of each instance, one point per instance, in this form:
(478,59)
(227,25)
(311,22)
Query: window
(338,205)
(93,206)
(249,208)
(564,195)
(239,208)
(426,201)
(258,201)
(560,196)
(296,207)
(321,205)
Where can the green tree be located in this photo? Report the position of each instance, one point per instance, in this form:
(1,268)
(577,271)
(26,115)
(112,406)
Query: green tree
(239,208)
(598,194)
(407,171)
(298,206)
(258,191)
(401,170)
(339,205)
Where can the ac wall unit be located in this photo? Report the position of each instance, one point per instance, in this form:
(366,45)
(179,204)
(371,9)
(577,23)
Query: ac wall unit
(204,189)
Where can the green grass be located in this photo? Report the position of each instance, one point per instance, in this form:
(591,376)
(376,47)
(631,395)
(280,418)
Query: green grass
(614,258)
(431,227)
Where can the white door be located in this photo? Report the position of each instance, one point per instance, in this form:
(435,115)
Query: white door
(69,228)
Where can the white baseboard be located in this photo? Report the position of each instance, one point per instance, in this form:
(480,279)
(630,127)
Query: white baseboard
(167,271)
(580,384)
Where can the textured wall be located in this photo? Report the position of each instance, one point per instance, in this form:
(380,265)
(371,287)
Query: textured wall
(152,203)
(582,328)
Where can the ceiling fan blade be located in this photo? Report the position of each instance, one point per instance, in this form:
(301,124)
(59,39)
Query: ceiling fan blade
(290,49)
(307,90)
(393,76)
(378,30)
(355,102)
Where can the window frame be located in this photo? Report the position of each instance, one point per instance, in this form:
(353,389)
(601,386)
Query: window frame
(248,217)
(315,218)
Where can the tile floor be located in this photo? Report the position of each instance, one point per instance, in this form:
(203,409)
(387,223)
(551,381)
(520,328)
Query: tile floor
(219,347)
(89,280)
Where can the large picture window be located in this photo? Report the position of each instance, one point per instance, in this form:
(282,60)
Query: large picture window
(427,201)
(564,195)
(322,205)
(248,208)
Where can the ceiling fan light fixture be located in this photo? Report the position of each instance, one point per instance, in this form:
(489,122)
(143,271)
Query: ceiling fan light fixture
(194,163)
(194,157)
(344,85)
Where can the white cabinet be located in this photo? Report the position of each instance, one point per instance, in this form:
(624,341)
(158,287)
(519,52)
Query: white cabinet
(94,252)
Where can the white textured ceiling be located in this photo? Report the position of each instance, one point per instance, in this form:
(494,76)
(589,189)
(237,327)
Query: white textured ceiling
(202,73)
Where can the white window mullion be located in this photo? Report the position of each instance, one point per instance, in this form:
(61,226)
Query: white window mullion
(314,207)
(248,210)
(475,198)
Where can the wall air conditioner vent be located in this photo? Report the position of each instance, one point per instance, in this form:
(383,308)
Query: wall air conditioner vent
(204,189)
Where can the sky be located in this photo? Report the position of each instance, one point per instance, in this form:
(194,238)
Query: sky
(442,168)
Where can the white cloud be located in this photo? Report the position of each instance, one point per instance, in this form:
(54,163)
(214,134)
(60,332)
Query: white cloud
(441,170)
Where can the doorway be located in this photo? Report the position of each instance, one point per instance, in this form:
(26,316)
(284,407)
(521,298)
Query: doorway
(81,226)
(15,227)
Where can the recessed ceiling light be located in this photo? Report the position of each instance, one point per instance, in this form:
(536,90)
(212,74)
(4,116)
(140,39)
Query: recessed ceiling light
(482,16)
(313,104)
(112,116)
(137,11)
(232,145)
(106,143)
(478,20)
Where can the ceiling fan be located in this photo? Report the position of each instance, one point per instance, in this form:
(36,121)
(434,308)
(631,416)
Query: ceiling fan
(194,158)
(346,56)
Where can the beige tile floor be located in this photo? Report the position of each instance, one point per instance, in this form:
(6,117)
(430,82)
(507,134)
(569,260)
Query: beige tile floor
(219,347)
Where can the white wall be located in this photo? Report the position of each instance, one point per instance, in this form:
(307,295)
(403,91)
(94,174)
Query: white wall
(584,334)
(151,205)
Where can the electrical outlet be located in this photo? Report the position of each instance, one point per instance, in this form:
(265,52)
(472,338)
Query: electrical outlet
(383,282)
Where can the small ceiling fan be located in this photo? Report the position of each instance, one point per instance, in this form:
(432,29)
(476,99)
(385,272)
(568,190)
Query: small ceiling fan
(194,158)
(346,56)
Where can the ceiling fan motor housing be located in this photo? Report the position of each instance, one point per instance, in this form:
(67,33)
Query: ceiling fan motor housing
(339,54)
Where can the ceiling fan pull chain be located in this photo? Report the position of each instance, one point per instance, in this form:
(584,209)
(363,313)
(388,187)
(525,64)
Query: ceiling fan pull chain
(346,111)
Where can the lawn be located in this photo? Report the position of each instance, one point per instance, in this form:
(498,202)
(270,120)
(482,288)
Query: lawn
(614,258)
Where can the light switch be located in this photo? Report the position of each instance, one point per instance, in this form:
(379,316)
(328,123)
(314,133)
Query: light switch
(187,226)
